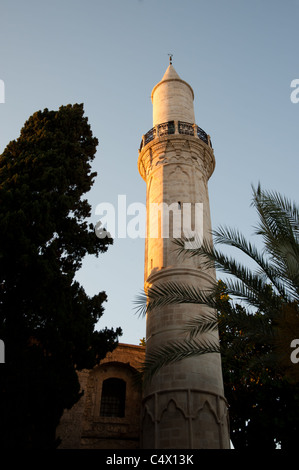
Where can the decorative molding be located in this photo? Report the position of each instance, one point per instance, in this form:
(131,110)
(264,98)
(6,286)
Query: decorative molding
(174,148)
(155,407)
(171,271)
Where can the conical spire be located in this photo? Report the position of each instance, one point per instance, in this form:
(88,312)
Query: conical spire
(172,99)
(170,74)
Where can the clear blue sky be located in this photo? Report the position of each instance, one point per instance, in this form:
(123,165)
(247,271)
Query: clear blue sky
(240,58)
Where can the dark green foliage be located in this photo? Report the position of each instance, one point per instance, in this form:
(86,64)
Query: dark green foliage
(263,402)
(47,321)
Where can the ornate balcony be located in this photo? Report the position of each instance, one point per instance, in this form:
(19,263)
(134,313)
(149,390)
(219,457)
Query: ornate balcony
(175,127)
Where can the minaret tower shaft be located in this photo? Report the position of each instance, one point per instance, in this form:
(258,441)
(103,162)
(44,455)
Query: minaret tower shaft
(184,405)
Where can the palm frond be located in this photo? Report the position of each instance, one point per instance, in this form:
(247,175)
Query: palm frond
(169,293)
(204,323)
(266,269)
(266,272)
(279,227)
(176,351)
(141,304)
(189,246)
(254,293)
(276,213)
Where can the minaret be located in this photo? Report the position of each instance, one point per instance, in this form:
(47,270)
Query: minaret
(184,405)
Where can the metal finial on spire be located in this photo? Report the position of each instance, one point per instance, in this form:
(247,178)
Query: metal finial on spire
(170,58)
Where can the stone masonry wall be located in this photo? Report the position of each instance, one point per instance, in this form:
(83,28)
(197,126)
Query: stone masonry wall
(83,427)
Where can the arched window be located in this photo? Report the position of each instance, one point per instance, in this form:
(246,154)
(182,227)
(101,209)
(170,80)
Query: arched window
(113,398)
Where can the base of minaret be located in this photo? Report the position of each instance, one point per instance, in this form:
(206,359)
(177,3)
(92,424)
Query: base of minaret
(183,404)
(185,419)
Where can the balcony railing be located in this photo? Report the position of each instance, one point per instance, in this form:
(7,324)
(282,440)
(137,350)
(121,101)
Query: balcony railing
(175,127)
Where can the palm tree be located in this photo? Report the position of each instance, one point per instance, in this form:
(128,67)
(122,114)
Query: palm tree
(269,293)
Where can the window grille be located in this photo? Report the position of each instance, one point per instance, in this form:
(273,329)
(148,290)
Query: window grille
(113,398)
